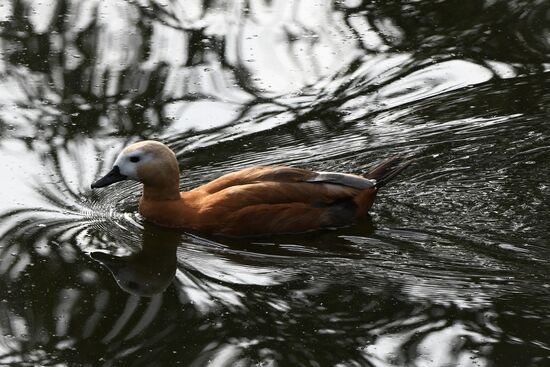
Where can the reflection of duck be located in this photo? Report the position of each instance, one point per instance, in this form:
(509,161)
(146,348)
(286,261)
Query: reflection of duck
(253,201)
(149,271)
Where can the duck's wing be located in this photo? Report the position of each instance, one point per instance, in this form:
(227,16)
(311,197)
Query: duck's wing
(266,200)
(280,207)
(344,179)
(283,174)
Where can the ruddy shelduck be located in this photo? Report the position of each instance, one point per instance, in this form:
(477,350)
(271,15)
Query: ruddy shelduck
(254,201)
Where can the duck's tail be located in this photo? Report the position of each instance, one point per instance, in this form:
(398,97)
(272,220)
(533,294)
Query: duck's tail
(385,171)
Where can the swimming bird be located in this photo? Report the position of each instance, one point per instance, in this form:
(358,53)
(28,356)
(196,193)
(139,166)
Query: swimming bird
(254,201)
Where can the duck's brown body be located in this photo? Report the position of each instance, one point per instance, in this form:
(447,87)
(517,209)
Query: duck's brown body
(254,201)
(263,200)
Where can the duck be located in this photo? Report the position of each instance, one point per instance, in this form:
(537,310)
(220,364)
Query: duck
(254,201)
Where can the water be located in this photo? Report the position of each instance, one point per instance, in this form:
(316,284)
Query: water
(451,268)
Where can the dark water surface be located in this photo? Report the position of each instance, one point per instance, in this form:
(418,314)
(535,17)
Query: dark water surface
(451,269)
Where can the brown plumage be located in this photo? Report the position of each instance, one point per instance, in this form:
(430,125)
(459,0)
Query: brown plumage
(249,202)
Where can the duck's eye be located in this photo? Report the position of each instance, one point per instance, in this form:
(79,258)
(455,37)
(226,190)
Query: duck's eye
(134,159)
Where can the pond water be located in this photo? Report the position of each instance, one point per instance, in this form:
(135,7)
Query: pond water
(450,269)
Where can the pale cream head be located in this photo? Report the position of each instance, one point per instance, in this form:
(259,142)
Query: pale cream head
(149,162)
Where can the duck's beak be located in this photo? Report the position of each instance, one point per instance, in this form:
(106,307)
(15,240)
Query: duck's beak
(110,178)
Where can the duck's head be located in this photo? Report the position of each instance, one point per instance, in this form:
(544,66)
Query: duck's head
(149,162)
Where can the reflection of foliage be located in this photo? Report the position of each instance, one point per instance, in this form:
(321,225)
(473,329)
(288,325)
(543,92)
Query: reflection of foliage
(59,319)
(65,205)
(70,70)
(84,73)
(472,29)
